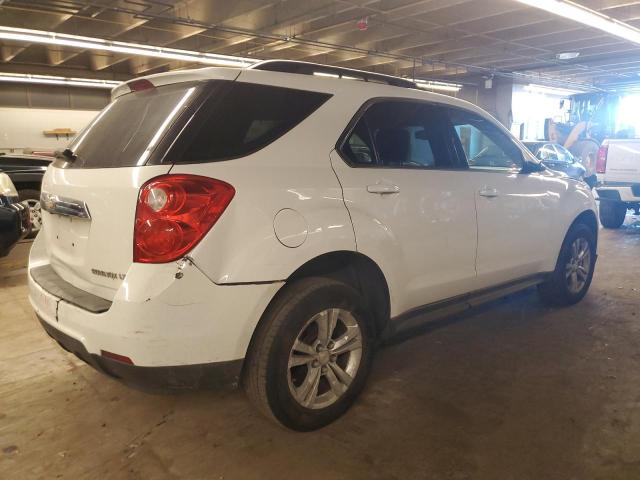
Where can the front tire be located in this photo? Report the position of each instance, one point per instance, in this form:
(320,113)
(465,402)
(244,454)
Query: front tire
(612,214)
(572,276)
(311,354)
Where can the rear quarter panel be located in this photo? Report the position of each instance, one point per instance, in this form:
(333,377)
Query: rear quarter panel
(292,173)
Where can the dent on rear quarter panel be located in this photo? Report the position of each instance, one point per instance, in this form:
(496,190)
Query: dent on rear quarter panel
(294,173)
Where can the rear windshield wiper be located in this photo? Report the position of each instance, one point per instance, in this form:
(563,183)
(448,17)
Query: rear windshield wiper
(67,155)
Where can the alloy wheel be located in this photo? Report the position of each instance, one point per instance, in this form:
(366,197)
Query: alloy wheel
(578,266)
(325,358)
(35,214)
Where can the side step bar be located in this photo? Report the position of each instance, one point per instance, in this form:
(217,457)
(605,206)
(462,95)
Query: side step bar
(456,305)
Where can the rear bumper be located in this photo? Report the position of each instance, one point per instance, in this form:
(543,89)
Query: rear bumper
(179,331)
(170,378)
(619,193)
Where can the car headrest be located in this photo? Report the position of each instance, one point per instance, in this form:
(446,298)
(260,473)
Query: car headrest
(393,145)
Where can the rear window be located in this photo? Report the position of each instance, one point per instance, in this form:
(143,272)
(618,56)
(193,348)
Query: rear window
(245,118)
(125,133)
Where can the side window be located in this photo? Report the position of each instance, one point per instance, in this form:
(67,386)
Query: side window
(485,145)
(399,134)
(245,118)
(358,146)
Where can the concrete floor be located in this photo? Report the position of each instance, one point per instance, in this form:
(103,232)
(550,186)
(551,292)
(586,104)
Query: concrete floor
(516,391)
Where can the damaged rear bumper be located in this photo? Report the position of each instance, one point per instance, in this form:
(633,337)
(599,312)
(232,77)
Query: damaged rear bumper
(175,331)
(169,378)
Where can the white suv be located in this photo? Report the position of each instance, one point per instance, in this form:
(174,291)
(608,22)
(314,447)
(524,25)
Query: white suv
(272,225)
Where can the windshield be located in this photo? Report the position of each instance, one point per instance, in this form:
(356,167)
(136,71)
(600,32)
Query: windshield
(125,133)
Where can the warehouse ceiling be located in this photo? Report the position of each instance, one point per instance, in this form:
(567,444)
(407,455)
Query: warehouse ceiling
(435,39)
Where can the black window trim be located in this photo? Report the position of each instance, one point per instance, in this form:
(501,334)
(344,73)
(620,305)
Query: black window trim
(456,163)
(170,146)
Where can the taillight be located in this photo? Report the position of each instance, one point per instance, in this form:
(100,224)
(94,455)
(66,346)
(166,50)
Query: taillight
(601,162)
(174,213)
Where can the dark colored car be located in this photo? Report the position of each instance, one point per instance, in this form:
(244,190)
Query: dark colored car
(26,172)
(14,216)
(556,157)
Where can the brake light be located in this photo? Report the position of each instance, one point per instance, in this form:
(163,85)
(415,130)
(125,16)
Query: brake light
(174,213)
(601,162)
(139,85)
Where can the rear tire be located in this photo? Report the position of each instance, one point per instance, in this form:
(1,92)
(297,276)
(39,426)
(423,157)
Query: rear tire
(612,214)
(572,276)
(296,373)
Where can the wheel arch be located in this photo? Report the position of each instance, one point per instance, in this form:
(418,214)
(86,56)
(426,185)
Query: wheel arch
(357,270)
(21,186)
(350,267)
(588,218)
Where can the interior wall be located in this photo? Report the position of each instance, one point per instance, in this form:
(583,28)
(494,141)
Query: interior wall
(26,111)
(22,128)
(496,100)
(53,96)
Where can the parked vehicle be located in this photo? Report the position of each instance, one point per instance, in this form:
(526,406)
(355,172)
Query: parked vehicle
(558,158)
(284,223)
(26,172)
(618,170)
(14,217)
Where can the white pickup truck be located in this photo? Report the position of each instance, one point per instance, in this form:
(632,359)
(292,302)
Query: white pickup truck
(618,170)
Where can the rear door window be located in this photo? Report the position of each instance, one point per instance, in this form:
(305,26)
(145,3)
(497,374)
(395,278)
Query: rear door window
(400,134)
(245,118)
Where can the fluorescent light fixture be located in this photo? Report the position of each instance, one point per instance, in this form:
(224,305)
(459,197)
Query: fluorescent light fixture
(567,55)
(549,90)
(53,80)
(586,16)
(324,74)
(439,86)
(91,43)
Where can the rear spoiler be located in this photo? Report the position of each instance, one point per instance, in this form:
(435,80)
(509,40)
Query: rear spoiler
(159,79)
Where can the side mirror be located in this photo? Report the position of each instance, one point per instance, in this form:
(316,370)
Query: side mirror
(532,167)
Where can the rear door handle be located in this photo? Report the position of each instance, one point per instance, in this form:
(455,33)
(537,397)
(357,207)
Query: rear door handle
(383,188)
(489,192)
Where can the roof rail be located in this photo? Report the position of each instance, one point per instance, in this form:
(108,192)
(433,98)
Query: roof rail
(307,68)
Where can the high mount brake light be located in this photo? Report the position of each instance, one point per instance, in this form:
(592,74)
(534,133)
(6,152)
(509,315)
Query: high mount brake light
(139,85)
(174,213)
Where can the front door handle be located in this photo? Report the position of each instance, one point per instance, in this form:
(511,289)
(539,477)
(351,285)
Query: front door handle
(489,192)
(383,188)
